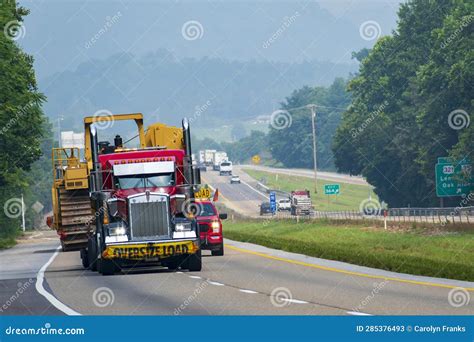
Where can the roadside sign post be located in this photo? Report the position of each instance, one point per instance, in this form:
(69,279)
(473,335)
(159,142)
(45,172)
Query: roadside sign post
(273,202)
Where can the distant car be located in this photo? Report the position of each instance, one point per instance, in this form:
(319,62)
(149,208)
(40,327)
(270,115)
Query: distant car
(234,179)
(265,208)
(210,226)
(284,204)
(202,168)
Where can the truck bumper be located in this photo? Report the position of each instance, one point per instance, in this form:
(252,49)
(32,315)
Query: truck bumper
(153,250)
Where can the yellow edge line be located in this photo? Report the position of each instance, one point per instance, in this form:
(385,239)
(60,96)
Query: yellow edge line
(332,269)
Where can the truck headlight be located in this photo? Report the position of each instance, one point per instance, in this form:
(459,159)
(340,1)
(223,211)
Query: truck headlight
(183,227)
(115,231)
(215,226)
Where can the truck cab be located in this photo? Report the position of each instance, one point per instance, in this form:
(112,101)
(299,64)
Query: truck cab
(143,200)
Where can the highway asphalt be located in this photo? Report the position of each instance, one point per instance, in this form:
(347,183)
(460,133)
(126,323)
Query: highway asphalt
(248,280)
(330,176)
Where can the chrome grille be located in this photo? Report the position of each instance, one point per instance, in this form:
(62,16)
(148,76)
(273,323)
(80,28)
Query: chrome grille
(149,217)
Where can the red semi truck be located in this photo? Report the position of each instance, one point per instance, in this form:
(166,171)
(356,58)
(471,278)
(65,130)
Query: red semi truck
(143,199)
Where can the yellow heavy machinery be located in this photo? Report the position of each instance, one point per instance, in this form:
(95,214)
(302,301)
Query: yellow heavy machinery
(73,216)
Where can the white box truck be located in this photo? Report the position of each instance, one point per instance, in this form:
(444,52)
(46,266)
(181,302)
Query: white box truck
(217,158)
(208,157)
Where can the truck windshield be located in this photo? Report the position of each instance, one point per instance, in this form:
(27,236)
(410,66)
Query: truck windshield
(225,164)
(144,181)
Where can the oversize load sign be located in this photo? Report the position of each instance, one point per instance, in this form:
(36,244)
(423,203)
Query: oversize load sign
(454,179)
(203,193)
(331,189)
(149,250)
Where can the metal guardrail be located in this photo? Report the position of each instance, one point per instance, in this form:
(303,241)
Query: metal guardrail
(441,216)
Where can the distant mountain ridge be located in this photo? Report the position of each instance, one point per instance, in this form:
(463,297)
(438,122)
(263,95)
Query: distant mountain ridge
(165,88)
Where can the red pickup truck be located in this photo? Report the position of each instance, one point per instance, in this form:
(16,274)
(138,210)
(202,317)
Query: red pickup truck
(210,226)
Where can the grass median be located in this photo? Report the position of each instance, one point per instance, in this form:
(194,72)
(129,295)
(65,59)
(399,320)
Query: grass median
(412,251)
(350,197)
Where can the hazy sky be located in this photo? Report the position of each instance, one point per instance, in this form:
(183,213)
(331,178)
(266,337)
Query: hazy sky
(63,34)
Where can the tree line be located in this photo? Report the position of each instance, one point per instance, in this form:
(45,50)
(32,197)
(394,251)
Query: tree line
(25,143)
(412,103)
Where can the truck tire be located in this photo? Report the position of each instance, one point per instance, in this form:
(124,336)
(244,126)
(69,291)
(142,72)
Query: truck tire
(218,252)
(84,258)
(107,267)
(64,247)
(194,262)
(92,254)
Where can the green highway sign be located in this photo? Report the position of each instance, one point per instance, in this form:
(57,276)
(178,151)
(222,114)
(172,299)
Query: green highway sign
(444,160)
(453,179)
(331,189)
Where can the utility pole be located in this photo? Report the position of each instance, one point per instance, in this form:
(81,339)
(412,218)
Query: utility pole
(60,118)
(23,213)
(313,118)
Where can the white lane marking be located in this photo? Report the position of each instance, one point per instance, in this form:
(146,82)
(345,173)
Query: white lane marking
(179,272)
(41,290)
(215,283)
(259,192)
(296,301)
(356,313)
(248,291)
(195,277)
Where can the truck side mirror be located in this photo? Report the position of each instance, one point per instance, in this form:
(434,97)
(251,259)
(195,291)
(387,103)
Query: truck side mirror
(223,216)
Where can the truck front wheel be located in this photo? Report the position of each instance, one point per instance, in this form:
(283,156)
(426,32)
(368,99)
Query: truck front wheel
(194,262)
(107,267)
(92,254)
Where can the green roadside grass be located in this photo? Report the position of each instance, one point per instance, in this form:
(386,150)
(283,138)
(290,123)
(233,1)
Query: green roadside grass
(7,242)
(418,252)
(350,197)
